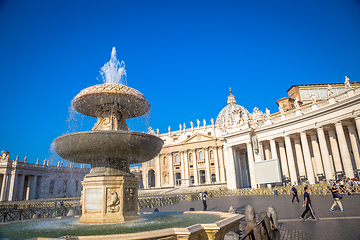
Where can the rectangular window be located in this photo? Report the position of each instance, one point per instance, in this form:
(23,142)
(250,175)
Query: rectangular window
(177,168)
(51,188)
(339,90)
(191,166)
(305,93)
(65,186)
(323,92)
(209,133)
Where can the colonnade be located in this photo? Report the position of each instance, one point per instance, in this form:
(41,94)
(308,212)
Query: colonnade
(323,152)
(18,186)
(201,165)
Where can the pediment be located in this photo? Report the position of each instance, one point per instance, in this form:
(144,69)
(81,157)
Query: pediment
(198,137)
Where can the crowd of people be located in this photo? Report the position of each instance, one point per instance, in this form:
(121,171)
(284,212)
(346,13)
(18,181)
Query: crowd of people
(347,185)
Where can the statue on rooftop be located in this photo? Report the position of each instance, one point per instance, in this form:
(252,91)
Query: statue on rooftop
(198,122)
(192,124)
(281,108)
(212,121)
(180,127)
(330,91)
(313,97)
(184,126)
(267,113)
(204,122)
(296,103)
(347,83)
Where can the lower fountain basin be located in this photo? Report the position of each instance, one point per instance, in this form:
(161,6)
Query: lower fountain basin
(94,146)
(149,226)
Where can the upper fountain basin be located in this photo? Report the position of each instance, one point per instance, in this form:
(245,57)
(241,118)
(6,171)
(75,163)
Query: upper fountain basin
(93,100)
(91,146)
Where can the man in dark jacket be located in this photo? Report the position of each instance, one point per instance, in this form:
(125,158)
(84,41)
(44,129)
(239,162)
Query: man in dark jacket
(307,205)
(294,193)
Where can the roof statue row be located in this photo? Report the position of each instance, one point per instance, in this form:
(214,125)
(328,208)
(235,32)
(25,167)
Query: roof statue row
(235,115)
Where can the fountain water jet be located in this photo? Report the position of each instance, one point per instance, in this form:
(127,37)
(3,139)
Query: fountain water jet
(109,191)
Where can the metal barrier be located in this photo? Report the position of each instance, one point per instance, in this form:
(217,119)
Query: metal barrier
(29,213)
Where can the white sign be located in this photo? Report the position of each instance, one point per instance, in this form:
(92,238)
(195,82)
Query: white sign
(93,199)
(267,171)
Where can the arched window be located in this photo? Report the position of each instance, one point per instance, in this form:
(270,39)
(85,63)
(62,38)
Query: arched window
(190,157)
(177,158)
(151,178)
(201,155)
(211,154)
(192,180)
(164,160)
(151,162)
(213,178)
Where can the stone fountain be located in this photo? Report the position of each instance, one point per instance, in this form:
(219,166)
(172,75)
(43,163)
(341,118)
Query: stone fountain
(110,191)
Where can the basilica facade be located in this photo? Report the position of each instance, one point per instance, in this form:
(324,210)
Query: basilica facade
(315,136)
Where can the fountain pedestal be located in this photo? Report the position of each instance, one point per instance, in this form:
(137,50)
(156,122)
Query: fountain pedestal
(109,199)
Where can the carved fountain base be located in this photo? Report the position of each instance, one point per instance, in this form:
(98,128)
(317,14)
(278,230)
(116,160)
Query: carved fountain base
(109,199)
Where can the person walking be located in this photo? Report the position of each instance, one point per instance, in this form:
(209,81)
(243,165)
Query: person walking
(307,205)
(337,196)
(204,200)
(294,193)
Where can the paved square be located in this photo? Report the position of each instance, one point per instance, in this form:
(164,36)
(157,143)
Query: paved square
(332,225)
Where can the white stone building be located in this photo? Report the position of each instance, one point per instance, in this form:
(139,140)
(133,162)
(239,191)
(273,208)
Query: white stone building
(315,135)
(25,181)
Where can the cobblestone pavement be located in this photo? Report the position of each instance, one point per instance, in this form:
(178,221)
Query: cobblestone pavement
(332,225)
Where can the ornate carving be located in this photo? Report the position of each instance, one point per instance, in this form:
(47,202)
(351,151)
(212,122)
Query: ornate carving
(112,201)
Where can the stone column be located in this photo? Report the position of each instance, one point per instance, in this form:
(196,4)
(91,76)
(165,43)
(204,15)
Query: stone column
(20,192)
(291,161)
(33,184)
(145,175)
(317,156)
(335,151)
(261,152)
(299,157)
(357,122)
(258,154)
(230,168)
(3,187)
(158,171)
(171,170)
(207,165)
(284,165)
(182,162)
(222,165)
(186,166)
(12,186)
(345,155)
(196,179)
(249,150)
(354,144)
(273,149)
(267,151)
(216,159)
(325,154)
(307,158)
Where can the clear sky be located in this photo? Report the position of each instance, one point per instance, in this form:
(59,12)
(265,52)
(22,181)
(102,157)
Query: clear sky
(182,55)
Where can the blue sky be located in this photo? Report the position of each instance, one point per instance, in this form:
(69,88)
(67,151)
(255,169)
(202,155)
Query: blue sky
(182,55)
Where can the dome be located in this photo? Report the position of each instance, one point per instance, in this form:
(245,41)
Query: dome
(227,114)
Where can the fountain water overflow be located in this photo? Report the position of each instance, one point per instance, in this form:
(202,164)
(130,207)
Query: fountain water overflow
(110,191)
